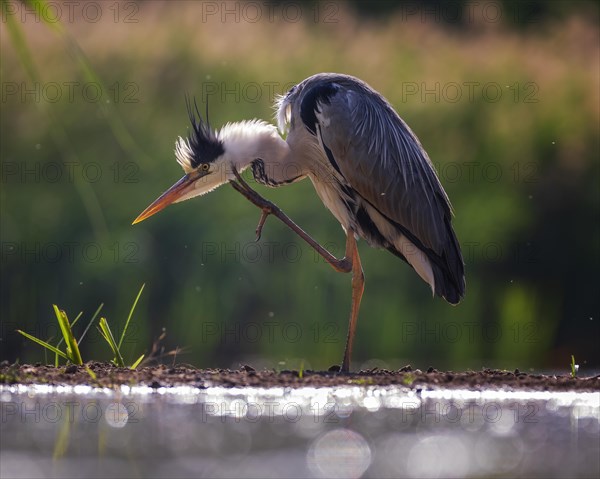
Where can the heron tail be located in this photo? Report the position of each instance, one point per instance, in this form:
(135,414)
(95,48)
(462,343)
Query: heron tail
(444,272)
(449,269)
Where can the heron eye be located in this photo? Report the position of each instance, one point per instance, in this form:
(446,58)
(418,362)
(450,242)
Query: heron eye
(204,166)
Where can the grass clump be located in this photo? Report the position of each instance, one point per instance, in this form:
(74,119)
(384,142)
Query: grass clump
(574,367)
(71,353)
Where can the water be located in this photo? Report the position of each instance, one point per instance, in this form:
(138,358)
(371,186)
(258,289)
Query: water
(343,432)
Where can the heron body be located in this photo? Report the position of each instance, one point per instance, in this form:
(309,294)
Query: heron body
(366,165)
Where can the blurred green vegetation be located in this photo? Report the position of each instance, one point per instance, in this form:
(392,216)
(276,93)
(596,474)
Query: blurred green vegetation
(508,109)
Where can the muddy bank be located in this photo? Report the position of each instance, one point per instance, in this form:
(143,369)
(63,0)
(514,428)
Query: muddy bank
(106,375)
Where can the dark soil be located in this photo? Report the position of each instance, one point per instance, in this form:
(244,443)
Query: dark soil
(107,375)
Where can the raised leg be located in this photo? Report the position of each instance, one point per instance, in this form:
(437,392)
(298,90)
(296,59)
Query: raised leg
(350,262)
(343,265)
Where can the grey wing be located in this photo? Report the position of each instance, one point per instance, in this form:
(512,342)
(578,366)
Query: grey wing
(382,160)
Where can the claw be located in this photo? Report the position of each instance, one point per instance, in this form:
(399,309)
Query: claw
(261,222)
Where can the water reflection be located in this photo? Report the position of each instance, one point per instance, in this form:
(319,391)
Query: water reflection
(345,432)
(341,453)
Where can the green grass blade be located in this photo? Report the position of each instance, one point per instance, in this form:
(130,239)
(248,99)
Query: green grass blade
(63,439)
(130,315)
(63,322)
(42,11)
(77,318)
(72,324)
(107,334)
(110,339)
(23,52)
(137,363)
(91,373)
(70,341)
(91,322)
(57,351)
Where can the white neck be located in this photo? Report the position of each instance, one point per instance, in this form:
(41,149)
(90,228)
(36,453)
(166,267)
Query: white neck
(247,141)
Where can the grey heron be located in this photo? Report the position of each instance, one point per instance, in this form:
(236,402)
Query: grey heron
(365,163)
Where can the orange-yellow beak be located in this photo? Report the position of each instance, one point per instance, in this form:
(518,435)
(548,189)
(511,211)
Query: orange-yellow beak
(172,195)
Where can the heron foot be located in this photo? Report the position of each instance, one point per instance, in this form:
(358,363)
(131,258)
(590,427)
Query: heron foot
(265,205)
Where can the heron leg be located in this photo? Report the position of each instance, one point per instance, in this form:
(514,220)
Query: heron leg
(358,287)
(343,265)
(350,261)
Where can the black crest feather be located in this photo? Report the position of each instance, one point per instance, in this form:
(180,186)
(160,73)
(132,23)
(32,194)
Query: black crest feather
(202,140)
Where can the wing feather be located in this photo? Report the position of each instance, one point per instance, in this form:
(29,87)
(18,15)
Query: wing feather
(380,157)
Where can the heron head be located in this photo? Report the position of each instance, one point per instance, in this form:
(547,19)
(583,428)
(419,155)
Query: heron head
(202,157)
